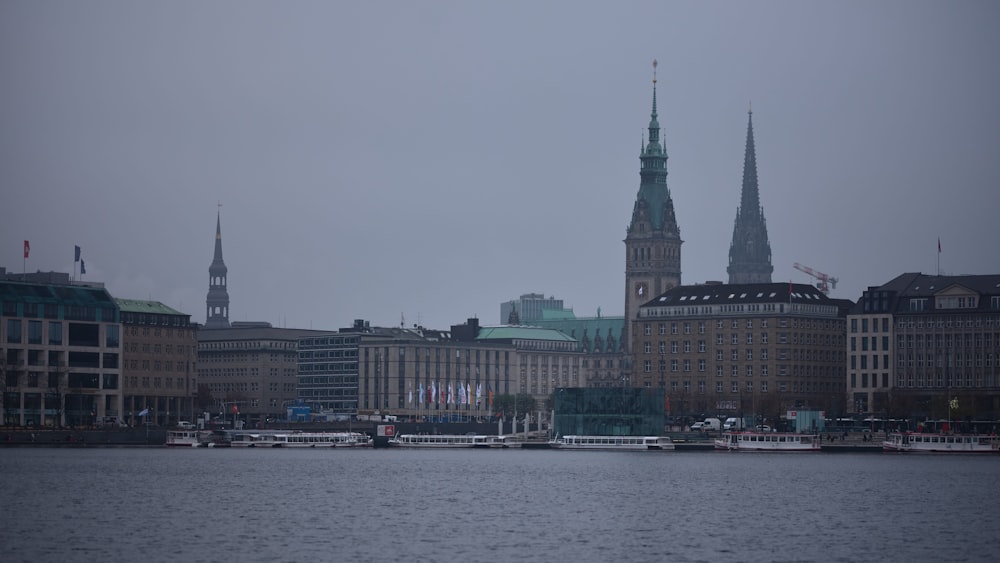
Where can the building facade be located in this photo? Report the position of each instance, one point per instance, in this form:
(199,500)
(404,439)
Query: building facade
(159,363)
(328,372)
(926,347)
(601,342)
(250,369)
(443,375)
(742,350)
(60,362)
(750,251)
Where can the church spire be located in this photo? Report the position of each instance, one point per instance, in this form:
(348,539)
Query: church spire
(217,302)
(750,251)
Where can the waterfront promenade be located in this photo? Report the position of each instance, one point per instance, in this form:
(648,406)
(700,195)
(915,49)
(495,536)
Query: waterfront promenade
(684,441)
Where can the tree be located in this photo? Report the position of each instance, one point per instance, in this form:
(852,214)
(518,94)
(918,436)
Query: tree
(204,398)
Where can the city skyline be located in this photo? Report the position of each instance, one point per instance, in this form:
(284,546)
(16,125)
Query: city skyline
(433,161)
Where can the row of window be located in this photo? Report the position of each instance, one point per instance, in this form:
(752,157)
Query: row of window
(748,387)
(939,380)
(944,360)
(134,381)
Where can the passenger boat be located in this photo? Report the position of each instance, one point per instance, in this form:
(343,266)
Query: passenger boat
(448,441)
(940,443)
(768,442)
(632,443)
(312,440)
(189,438)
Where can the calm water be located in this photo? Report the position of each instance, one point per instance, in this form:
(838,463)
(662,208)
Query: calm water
(155,504)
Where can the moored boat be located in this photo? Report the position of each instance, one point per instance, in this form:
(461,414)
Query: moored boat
(188,438)
(768,442)
(313,440)
(612,443)
(940,443)
(448,441)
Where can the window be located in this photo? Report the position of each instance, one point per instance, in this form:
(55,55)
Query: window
(13,331)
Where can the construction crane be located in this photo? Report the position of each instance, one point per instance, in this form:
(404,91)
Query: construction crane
(825,282)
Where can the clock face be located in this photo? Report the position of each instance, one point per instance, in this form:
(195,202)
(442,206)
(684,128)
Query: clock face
(641,289)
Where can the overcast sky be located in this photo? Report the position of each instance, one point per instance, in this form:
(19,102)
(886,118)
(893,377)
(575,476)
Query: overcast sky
(429,160)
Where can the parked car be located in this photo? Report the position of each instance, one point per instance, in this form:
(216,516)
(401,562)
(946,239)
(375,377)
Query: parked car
(763,428)
(185,425)
(698,427)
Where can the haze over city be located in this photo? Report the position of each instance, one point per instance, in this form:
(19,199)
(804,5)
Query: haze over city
(426,161)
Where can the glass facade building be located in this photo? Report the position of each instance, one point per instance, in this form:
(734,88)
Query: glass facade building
(604,411)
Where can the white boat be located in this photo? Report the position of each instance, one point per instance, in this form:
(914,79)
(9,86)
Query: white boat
(632,443)
(188,438)
(312,440)
(941,443)
(448,441)
(768,442)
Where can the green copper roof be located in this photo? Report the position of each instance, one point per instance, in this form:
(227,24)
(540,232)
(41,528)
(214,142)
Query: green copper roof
(591,333)
(556,314)
(142,306)
(521,333)
(78,295)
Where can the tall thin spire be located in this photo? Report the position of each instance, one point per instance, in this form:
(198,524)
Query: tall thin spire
(654,125)
(217,302)
(750,250)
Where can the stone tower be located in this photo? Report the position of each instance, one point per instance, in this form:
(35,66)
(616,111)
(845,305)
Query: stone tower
(217,303)
(652,239)
(750,251)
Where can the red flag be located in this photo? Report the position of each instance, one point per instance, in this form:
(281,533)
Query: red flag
(236,410)
(27,249)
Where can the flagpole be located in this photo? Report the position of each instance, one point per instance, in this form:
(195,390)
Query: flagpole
(939,257)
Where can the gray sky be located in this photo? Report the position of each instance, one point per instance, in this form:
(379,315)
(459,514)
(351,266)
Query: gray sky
(432,159)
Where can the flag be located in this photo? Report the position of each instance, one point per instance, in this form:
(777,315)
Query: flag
(236,410)
(143,412)
(83,267)
(468,393)
(27,248)
(76,253)
(939,245)
(411,395)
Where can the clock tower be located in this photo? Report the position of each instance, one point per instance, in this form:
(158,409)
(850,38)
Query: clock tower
(652,239)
